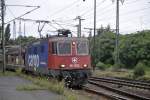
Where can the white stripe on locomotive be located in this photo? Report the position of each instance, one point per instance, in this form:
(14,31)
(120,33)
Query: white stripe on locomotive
(33,60)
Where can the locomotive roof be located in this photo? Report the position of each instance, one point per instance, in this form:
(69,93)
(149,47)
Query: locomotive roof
(67,38)
(59,39)
(56,39)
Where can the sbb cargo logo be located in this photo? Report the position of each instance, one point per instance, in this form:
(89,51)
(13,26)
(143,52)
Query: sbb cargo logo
(74,60)
(33,60)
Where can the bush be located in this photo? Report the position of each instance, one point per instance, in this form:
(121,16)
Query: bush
(116,67)
(101,65)
(146,63)
(139,70)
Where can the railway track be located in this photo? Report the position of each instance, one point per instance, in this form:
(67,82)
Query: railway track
(121,82)
(143,81)
(110,96)
(103,86)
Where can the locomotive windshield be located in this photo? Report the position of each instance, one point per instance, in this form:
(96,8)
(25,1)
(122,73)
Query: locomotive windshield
(69,47)
(82,48)
(64,48)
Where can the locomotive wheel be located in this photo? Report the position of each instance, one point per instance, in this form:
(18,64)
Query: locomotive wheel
(68,82)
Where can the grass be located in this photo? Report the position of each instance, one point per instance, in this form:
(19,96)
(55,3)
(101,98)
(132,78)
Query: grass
(54,86)
(76,95)
(70,95)
(51,85)
(29,87)
(113,73)
(147,75)
(123,74)
(7,74)
(42,83)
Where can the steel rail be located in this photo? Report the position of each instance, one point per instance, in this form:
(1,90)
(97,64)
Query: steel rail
(138,81)
(122,92)
(114,97)
(122,82)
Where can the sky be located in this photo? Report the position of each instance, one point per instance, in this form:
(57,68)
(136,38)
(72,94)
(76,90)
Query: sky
(134,15)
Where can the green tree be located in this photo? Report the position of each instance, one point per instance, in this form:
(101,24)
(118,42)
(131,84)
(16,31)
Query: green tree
(135,48)
(24,40)
(105,43)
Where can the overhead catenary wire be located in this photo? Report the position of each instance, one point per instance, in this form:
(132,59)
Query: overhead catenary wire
(22,5)
(63,9)
(11,12)
(98,7)
(52,26)
(19,6)
(124,14)
(64,20)
(89,10)
(67,24)
(23,14)
(106,10)
(129,25)
(129,19)
(46,21)
(58,24)
(100,13)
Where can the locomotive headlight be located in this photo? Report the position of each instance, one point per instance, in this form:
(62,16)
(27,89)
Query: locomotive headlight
(62,66)
(85,65)
(73,43)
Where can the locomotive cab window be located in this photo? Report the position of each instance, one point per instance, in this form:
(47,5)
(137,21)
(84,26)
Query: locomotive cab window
(64,48)
(82,48)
